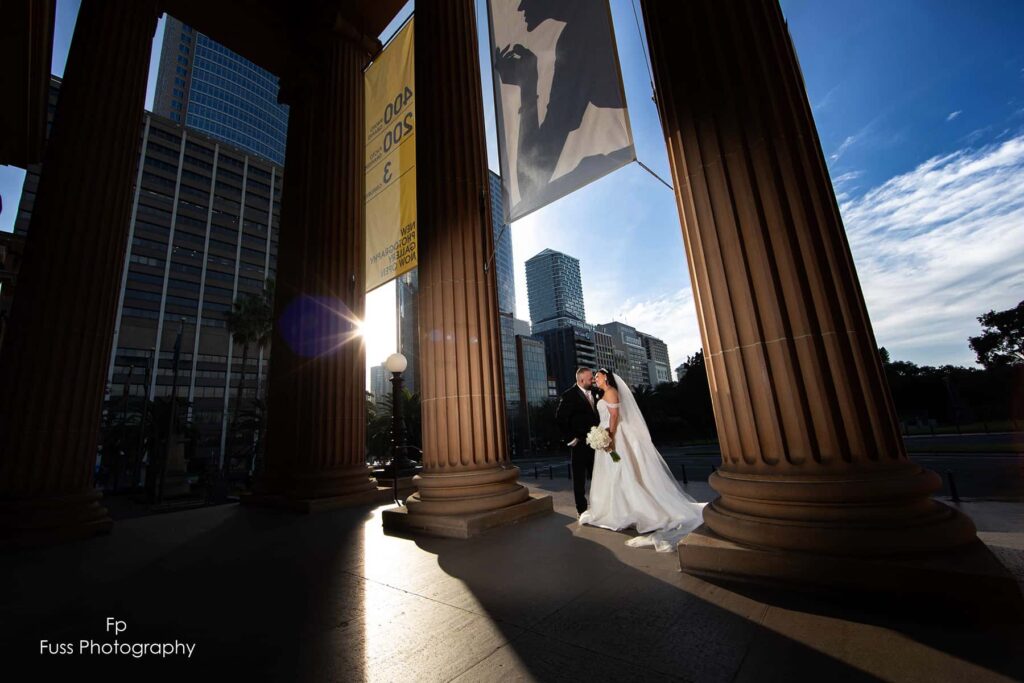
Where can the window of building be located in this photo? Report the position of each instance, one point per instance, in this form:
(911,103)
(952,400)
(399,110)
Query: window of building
(182,60)
(181,72)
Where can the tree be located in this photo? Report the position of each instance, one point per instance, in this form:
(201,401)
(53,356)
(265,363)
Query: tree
(1001,341)
(250,322)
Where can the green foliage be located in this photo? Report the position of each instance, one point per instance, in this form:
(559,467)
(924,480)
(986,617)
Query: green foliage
(1001,341)
(378,424)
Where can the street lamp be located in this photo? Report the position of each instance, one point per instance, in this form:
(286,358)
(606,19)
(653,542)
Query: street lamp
(399,463)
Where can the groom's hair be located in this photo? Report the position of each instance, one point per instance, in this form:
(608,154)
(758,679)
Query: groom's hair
(581,370)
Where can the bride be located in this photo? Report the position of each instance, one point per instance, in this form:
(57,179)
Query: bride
(638,490)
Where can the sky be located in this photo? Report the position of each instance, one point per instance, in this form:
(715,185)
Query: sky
(919,106)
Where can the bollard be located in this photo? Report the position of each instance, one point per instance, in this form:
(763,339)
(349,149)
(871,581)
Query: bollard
(954,496)
(551,472)
(682,466)
(568,470)
(535,471)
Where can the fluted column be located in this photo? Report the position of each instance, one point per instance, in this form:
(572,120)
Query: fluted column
(317,408)
(466,468)
(54,361)
(812,458)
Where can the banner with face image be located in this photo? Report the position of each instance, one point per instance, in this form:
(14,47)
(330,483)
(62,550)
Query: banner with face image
(559,102)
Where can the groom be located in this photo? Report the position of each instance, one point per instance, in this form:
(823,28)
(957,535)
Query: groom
(576,414)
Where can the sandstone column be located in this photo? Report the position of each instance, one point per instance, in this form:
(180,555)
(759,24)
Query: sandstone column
(812,459)
(317,408)
(54,362)
(467,483)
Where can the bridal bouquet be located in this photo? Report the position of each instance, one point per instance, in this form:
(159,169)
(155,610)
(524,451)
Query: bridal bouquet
(600,439)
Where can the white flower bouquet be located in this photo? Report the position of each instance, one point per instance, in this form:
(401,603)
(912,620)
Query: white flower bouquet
(600,439)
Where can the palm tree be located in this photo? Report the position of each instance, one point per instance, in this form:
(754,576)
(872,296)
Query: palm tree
(250,322)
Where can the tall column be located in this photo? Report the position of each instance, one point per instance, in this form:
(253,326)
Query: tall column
(812,459)
(467,483)
(316,433)
(54,361)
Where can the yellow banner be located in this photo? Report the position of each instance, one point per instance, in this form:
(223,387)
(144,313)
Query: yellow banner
(391,162)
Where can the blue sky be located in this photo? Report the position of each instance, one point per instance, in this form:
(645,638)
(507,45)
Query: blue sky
(920,110)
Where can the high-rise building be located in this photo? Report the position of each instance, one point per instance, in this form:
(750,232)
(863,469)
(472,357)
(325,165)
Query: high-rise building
(533,384)
(567,348)
(555,290)
(210,89)
(380,383)
(630,356)
(522,327)
(659,368)
(202,232)
(604,352)
(406,288)
(504,268)
(510,374)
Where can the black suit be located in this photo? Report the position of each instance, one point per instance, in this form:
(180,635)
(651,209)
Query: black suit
(575,417)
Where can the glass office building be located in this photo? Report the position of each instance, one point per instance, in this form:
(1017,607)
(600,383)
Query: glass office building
(210,89)
(555,290)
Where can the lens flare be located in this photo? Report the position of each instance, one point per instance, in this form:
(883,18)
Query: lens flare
(315,326)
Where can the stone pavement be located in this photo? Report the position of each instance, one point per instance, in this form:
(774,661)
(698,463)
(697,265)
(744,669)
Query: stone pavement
(330,597)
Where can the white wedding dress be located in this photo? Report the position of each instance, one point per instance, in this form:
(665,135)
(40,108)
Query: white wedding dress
(640,489)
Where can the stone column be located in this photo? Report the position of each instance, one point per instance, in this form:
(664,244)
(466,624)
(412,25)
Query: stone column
(317,408)
(54,364)
(467,483)
(812,459)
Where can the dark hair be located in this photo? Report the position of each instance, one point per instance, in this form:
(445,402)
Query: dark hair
(611,379)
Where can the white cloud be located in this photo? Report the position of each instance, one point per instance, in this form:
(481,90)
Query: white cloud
(671,317)
(954,114)
(940,245)
(850,139)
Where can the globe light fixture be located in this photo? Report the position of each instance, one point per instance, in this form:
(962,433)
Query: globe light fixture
(396,362)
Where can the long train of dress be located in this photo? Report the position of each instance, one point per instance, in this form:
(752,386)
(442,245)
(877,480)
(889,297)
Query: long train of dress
(639,491)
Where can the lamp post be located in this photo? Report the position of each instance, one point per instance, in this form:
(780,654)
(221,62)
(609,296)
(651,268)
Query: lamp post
(398,464)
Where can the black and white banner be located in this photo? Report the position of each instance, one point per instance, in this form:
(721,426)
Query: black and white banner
(559,102)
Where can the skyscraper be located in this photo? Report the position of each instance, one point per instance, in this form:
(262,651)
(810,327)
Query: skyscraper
(555,291)
(659,368)
(203,231)
(631,358)
(380,383)
(504,269)
(406,287)
(604,351)
(210,89)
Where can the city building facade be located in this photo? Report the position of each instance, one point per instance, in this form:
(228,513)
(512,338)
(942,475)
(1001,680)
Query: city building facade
(380,383)
(555,291)
(203,231)
(567,348)
(630,356)
(659,368)
(604,352)
(210,89)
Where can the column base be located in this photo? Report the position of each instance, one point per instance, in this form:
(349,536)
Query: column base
(307,505)
(969,576)
(48,521)
(467,524)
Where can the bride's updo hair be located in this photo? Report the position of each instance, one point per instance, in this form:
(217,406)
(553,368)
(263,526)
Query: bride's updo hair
(610,377)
